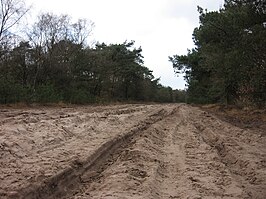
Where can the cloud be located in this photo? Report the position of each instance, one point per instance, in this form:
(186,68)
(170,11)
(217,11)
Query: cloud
(188,8)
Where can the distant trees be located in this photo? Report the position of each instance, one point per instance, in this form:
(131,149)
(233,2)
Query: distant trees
(228,64)
(54,63)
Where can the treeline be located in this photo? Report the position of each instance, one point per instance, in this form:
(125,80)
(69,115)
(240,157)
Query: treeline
(228,64)
(54,63)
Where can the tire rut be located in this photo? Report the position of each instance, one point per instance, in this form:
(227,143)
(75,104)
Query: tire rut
(242,153)
(36,144)
(85,171)
(168,151)
(189,167)
(170,159)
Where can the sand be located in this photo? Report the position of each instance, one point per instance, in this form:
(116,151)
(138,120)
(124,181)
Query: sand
(128,151)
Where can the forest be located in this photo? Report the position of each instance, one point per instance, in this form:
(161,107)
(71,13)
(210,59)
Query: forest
(52,62)
(228,63)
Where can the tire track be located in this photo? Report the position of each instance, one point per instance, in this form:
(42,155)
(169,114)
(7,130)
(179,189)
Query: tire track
(34,145)
(126,165)
(170,159)
(172,151)
(189,168)
(242,153)
(64,182)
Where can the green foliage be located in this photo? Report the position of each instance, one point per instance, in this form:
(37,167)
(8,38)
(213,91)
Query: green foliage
(81,96)
(55,65)
(46,94)
(11,92)
(228,63)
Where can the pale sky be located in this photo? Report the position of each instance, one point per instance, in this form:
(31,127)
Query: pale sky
(161,27)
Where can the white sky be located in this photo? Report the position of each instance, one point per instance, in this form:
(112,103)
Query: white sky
(161,27)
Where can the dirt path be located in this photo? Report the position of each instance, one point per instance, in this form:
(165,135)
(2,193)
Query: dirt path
(128,151)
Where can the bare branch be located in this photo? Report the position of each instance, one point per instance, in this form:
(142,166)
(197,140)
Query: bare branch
(12,11)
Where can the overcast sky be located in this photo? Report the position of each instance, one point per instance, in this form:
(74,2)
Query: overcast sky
(161,27)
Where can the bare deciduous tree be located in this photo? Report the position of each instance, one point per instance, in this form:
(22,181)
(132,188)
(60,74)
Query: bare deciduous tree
(11,12)
(81,30)
(49,29)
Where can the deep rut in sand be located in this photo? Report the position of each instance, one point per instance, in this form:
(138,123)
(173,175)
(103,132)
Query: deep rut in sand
(64,182)
(169,151)
(174,158)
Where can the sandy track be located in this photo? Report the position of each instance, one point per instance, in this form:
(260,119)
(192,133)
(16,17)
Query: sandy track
(128,151)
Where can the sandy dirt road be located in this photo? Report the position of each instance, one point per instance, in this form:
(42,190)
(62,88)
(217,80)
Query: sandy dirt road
(128,151)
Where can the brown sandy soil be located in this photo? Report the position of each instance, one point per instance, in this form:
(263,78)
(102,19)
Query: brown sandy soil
(128,151)
(246,118)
